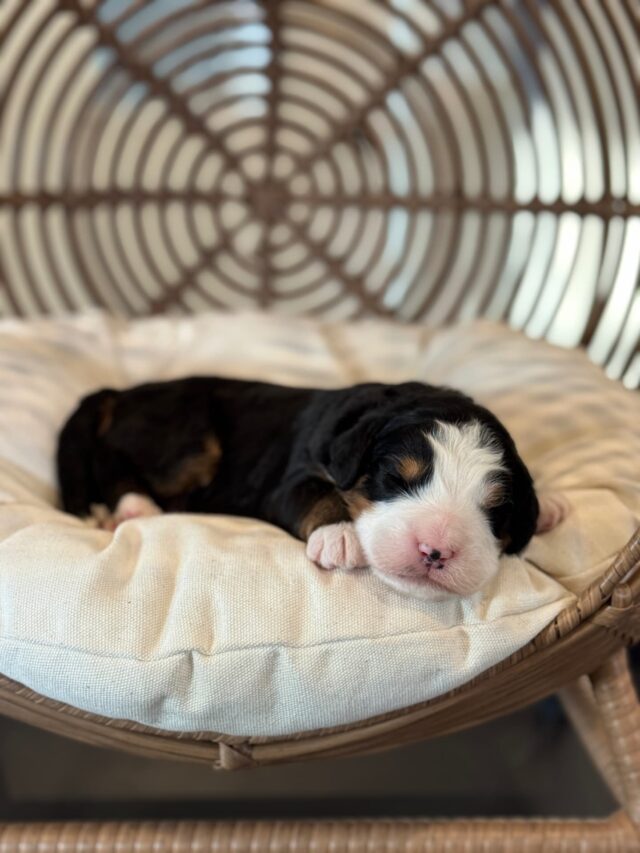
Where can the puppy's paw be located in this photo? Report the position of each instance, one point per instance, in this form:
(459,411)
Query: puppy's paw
(554,508)
(133,505)
(336,546)
(100,517)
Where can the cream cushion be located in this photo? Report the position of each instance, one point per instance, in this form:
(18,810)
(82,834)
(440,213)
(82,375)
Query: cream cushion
(221,624)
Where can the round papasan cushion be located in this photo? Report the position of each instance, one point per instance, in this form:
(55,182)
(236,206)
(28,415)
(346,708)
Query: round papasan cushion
(222,624)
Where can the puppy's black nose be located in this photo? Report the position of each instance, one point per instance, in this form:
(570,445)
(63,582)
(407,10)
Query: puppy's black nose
(434,557)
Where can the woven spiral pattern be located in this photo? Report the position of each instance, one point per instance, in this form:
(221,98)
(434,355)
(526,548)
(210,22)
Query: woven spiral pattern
(421,160)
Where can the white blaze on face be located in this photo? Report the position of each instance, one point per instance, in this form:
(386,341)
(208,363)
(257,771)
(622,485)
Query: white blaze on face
(445,514)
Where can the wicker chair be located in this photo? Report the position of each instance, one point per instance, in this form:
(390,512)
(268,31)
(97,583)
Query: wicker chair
(425,161)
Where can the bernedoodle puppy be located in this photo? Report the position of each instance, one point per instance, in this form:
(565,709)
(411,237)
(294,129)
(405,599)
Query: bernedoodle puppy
(417,482)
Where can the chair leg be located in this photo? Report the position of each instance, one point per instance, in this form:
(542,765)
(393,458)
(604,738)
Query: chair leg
(605,711)
(617,701)
(580,705)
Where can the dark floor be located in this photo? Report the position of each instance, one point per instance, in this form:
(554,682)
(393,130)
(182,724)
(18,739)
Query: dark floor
(526,764)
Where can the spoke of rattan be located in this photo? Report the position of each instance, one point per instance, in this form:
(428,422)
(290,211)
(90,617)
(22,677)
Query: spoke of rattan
(270,215)
(603,208)
(190,275)
(354,283)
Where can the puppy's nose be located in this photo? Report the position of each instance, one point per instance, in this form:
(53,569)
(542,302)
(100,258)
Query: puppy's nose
(434,556)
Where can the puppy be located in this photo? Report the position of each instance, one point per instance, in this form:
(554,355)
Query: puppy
(417,482)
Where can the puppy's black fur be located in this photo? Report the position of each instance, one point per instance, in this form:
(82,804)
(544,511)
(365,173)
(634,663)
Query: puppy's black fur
(297,458)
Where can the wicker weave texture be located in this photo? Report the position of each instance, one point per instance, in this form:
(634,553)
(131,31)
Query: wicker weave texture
(615,835)
(421,160)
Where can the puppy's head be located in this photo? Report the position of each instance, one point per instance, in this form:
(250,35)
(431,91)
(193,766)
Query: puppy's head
(437,494)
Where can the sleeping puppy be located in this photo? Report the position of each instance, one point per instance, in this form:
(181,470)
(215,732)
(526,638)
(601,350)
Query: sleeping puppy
(417,482)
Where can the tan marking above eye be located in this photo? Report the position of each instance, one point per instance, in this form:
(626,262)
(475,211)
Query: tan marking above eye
(410,468)
(494,493)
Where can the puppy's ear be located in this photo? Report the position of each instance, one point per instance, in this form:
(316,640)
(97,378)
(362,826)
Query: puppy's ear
(520,511)
(346,440)
(349,450)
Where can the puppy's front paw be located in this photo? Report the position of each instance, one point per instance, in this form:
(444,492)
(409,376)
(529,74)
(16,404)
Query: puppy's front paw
(133,505)
(336,546)
(554,508)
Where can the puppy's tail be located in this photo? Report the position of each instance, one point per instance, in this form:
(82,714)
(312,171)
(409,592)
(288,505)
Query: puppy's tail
(77,451)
